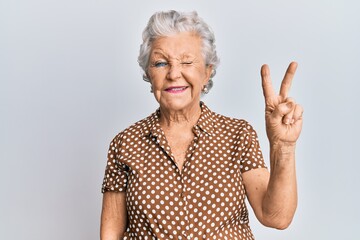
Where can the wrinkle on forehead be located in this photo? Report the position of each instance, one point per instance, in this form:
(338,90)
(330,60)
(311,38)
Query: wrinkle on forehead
(158,54)
(177,47)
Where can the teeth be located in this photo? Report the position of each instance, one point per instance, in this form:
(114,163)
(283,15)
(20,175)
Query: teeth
(178,89)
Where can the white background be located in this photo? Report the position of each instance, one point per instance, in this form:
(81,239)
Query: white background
(69,81)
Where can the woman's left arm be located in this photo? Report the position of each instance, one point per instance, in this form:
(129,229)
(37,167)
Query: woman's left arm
(273,196)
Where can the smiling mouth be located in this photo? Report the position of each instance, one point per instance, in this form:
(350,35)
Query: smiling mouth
(176,89)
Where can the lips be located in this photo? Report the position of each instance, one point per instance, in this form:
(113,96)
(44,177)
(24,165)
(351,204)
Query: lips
(177,89)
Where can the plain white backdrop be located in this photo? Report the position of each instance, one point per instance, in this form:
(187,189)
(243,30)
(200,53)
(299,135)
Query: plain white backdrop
(69,81)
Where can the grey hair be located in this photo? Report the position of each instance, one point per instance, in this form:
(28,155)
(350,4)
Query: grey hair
(171,22)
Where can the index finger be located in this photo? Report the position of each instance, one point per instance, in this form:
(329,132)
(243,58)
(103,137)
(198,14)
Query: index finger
(267,87)
(286,82)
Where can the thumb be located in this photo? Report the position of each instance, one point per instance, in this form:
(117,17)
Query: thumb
(281,110)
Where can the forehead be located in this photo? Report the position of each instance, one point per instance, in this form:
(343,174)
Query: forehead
(176,45)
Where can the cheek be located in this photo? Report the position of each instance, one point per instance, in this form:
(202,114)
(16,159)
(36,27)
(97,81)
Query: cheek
(154,78)
(157,85)
(157,71)
(150,74)
(198,77)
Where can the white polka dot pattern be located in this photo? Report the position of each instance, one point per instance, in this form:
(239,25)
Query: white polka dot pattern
(206,200)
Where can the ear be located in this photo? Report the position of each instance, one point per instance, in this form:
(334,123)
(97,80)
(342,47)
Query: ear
(209,69)
(146,77)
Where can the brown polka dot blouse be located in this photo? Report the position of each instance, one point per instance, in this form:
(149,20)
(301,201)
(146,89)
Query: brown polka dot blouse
(206,200)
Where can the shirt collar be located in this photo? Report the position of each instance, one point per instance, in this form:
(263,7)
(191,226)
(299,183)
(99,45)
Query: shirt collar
(205,122)
(151,125)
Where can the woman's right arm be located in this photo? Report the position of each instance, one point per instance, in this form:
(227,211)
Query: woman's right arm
(113,216)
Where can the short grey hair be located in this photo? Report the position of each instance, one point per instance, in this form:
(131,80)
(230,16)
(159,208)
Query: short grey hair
(171,22)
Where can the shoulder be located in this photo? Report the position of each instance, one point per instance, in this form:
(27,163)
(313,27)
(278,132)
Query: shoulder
(134,131)
(222,124)
(235,125)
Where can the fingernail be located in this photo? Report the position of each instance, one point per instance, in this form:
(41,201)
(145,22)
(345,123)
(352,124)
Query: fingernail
(292,121)
(289,104)
(287,121)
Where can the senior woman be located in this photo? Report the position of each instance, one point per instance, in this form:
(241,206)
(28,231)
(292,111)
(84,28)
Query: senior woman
(184,172)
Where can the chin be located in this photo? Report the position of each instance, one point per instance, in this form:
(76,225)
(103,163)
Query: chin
(178,104)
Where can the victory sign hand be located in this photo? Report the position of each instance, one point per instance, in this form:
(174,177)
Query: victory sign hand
(282,114)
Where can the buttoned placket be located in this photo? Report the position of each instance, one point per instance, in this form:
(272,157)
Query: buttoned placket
(177,196)
(185,179)
(160,139)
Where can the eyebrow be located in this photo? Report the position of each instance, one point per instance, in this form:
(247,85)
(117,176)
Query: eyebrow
(187,55)
(157,53)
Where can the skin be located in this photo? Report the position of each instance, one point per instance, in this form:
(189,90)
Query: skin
(177,61)
(113,216)
(273,196)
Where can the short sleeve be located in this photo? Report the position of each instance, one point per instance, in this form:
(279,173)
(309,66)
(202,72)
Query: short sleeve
(251,154)
(116,172)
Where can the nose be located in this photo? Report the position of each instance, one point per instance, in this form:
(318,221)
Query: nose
(174,72)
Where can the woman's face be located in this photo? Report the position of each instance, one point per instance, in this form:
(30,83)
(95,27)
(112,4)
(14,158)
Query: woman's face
(177,71)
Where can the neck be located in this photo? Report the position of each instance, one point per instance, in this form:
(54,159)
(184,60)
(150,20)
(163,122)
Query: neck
(185,117)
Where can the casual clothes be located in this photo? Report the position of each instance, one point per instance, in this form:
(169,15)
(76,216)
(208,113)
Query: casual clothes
(205,200)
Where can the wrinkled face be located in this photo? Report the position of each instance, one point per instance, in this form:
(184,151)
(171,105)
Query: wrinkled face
(177,71)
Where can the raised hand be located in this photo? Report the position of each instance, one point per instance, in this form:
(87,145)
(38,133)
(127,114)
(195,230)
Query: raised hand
(283,116)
